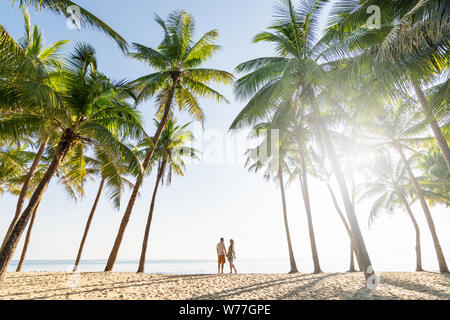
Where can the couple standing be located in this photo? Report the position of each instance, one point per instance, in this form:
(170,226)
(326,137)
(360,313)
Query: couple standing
(222,252)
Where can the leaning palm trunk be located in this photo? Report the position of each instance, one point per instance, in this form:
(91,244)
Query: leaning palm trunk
(27,240)
(347,228)
(358,240)
(305,194)
(445,150)
(88,225)
(126,217)
(286,226)
(437,246)
(416,228)
(8,249)
(149,219)
(352,247)
(352,259)
(24,190)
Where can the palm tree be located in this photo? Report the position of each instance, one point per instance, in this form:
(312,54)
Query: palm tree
(297,68)
(179,79)
(286,226)
(346,226)
(301,136)
(435,179)
(389,186)
(72,174)
(13,173)
(169,154)
(440,254)
(72,186)
(320,171)
(13,165)
(112,170)
(352,155)
(62,7)
(408,50)
(27,240)
(264,155)
(12,55)
(92,110)
(395,128)
(303,177)
(43,60)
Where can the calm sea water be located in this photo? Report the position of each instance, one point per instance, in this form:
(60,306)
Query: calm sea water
(157,266)
(194,266)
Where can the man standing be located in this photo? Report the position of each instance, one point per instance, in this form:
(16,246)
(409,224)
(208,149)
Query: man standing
(221,253)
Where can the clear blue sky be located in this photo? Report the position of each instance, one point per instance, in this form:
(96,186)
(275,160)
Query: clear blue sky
(211,200)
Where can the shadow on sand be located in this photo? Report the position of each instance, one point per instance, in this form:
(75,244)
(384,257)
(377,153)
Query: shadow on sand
(296,286)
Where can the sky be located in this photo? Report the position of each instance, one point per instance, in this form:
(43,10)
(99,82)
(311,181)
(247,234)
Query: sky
(216,197)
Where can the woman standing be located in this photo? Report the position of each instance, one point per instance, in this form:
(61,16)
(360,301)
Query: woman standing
(231,256)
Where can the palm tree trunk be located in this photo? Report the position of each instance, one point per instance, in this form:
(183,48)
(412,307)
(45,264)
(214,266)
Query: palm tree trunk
(149,219)
(8,249)
(437,246)
(416,227)
(347,228)
(25,186)
(358,240)
(27,240)
(286,226)
(445,150)
(126,217)
(352,259)
(88,225)
(305,193)
(352,247)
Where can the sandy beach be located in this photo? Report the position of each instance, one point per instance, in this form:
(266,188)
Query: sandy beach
(96,285)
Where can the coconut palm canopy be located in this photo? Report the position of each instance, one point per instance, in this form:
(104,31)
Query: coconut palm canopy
(346,119)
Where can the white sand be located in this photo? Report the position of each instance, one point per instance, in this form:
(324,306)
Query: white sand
(60,285)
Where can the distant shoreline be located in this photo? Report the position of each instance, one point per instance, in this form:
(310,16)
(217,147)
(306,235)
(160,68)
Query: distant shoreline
(162,266)
(200,266)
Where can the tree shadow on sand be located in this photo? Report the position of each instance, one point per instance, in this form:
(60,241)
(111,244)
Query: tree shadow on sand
(295,293)
(406,289)
(104,286)
(298,286)
(418,287)
(263,285)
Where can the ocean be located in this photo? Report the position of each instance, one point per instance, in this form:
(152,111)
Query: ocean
(157,266)
(199,266)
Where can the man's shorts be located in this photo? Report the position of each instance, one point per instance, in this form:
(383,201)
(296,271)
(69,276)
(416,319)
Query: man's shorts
(222,258)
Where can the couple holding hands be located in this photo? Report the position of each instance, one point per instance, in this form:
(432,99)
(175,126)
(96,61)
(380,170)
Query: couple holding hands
(222,252)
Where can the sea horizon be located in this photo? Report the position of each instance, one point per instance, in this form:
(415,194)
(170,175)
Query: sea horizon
(192,266)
